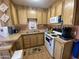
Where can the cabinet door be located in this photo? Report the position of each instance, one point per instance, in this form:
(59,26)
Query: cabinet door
(58,50)
(40,39)
(49,13)
(5,54)
(26,41)
(53,11)
(39,16)
(59,8)
(18,44)
(22,15)
(33,40)
(68,11)
(44,17)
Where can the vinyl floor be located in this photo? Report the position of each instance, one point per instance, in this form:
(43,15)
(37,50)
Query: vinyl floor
(32,53)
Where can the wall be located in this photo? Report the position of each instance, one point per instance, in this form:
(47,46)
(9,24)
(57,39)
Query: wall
(64,8)
(27,12)
(8,12)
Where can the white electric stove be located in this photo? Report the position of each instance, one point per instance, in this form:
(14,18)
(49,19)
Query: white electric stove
(50,41)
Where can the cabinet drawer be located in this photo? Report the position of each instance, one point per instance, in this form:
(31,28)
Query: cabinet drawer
(40,36)
(26,42)
(26,37)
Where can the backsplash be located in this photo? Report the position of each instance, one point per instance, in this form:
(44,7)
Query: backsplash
(25,27)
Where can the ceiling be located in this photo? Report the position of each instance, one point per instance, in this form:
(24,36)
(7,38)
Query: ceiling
(35,3)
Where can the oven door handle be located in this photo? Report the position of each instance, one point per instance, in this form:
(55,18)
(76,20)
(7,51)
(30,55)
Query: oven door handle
(49,40)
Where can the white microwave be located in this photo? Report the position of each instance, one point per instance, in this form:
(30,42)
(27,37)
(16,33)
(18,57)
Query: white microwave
(56,19)
(53,20)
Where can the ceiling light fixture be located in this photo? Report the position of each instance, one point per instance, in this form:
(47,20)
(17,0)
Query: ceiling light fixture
(32,11)
(36,0)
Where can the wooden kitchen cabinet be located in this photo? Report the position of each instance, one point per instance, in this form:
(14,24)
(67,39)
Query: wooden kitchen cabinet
(53,11)
(62,49)
(44,17)
(39,16)
(27,12)
(58,50)
(18,45)
(33,40)
(59,6)
(68,11)
(5,54)
(26,41)
(40,39)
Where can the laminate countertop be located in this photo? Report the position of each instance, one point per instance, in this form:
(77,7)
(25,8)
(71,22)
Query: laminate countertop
(6,43)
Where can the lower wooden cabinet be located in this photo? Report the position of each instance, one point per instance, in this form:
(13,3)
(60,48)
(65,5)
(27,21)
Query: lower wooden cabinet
(63,48)
(58,50)
(26,41)
(40,39)
(5,54)
(33,40)
(18,45)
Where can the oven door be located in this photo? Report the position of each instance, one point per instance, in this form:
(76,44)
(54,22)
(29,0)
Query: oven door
(49,43)
(48,39)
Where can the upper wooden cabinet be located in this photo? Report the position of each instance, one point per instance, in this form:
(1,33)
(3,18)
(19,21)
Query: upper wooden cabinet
(14,14)
(68,10)
(49,13)
(44,17)
(76,12)
(22,15)
(39,16)
(31,12)
(53,11)
(27,12)
(59,6)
